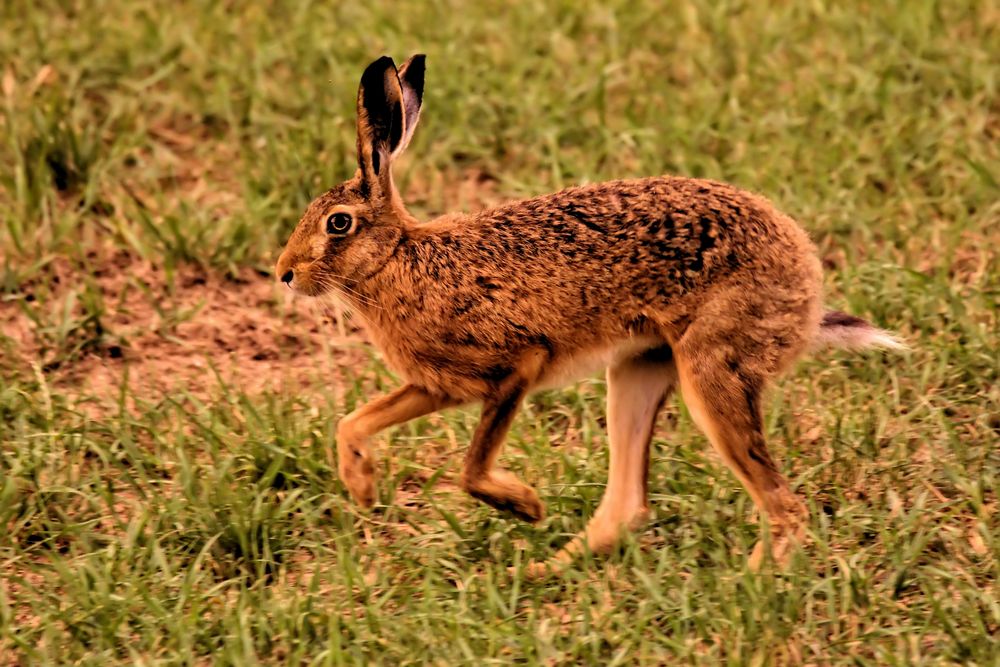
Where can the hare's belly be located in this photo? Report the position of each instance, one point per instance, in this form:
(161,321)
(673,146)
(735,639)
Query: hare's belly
(585,363)
(464,374)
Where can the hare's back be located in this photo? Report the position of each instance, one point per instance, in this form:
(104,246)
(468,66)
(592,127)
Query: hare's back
(685,230)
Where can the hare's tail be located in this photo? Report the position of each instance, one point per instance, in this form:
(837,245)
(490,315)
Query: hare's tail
(847,331)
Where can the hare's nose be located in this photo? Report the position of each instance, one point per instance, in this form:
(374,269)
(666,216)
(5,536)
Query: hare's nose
(287,278)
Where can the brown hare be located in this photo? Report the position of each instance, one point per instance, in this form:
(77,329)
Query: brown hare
(664,281)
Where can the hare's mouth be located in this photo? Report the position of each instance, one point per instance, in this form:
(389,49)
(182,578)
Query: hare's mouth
(304,281)
(306,287)
(302,286)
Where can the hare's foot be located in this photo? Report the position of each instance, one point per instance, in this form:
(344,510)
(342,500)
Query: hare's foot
(504,491)
(605,530)
(603,533)
(784,538)
(356,459)
(356,466)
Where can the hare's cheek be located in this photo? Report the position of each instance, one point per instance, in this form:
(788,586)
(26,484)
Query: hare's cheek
(306,282)
(318,246)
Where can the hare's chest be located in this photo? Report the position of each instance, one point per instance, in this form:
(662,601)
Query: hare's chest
(439,369)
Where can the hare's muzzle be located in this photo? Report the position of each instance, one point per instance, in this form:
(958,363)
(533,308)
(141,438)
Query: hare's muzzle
(284,269)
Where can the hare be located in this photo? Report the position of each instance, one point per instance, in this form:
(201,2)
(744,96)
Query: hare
(666,282)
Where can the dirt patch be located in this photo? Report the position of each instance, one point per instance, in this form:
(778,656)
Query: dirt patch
(86,329)
(183,330)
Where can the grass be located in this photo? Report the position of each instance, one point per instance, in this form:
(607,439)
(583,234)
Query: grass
(150,523)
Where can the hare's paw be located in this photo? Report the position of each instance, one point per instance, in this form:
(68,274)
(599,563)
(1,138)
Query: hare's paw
(360,484)
(504,491)
(784,540)
(527,507)
(356,466)
(603,533)
(605,530)
(540,570)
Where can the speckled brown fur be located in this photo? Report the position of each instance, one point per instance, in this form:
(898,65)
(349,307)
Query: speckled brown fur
(663,280)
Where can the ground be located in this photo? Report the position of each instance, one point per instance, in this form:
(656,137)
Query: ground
(167,411)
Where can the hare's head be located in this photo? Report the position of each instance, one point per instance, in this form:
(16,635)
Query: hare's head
(348,232)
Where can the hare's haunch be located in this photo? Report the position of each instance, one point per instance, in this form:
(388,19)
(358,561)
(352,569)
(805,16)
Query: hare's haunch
(667,282)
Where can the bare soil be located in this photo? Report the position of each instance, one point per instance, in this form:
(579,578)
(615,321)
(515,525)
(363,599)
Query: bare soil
(85,329)
(188,330)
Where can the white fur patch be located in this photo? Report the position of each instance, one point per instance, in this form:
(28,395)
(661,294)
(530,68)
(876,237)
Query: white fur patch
(570,369)
(858,338)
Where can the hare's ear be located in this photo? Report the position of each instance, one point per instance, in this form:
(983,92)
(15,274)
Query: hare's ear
(380,119)
(411,79)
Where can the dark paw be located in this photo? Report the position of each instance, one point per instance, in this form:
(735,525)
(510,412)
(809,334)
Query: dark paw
(531,509)
(525,506)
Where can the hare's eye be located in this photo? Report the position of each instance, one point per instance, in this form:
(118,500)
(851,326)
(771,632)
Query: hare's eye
(339,223)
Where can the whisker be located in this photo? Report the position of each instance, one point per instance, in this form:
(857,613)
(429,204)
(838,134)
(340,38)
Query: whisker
(342,296)
(343,288)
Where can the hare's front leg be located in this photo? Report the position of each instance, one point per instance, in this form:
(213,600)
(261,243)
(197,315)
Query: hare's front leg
(495,487)
(356,462)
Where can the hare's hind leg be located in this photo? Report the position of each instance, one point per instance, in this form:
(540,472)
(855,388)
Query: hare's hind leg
(724,401)
(356,463)
(637,388)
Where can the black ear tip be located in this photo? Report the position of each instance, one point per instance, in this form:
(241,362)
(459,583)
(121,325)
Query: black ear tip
(377,68)
(374,74)
(413,74)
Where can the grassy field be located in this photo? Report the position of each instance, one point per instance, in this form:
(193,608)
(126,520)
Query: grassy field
(167,416)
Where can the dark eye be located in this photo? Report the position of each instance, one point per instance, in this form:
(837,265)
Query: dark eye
(339,223)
